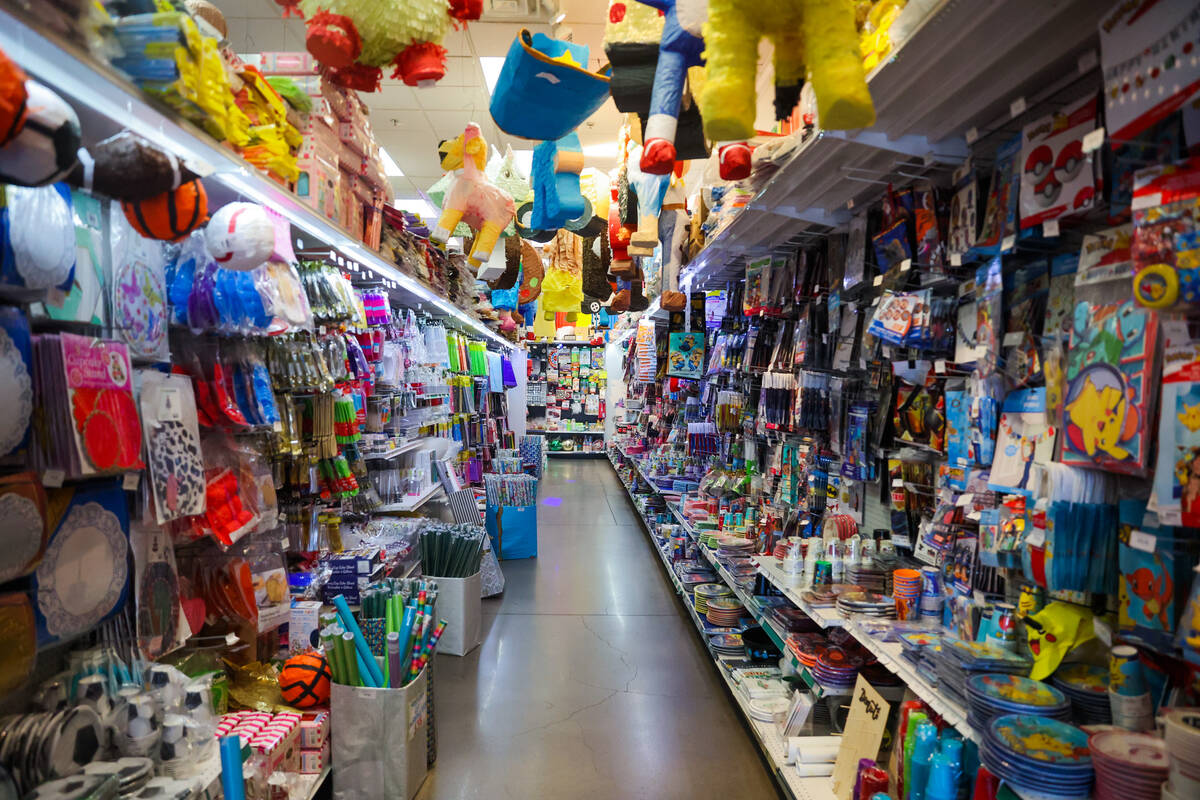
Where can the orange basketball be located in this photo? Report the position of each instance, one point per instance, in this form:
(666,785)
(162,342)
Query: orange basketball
(171,215)
(304,681)
(12,99)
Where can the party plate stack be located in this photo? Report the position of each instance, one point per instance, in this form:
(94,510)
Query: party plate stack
(731,547)
(867,575)
(706,592)
(806,647)
(921,649)
(1129,766)
(1042,756)
(994,695)
(769,709)
(725,612)
(867,603)
(958,659)
(38,747)
(837,667)
(77,787)
(132,773)
(726,644)
(1086,686)
(1182,732)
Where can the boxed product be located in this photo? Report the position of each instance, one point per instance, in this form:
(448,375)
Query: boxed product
(312,761)
(314,730)
(303,626)
(319,186)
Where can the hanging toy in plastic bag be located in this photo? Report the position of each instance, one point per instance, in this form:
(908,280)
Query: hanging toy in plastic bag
(169,216)
(1166,242)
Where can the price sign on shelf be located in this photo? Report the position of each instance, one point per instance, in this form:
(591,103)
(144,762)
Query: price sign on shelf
(862,736)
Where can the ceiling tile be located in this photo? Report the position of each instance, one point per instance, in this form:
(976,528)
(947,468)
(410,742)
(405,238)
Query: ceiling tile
(393,94)
(455,98)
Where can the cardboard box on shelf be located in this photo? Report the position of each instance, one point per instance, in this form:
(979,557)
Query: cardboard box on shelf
(287,63)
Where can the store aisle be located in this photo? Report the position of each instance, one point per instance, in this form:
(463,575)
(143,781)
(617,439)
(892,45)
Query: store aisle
(591,682)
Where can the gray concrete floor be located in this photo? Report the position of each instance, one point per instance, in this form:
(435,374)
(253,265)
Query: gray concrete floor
(591,681)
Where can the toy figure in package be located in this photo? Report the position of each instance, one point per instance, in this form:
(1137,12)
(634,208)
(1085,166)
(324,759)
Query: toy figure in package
(963,210)
(1057,177)
(1166,243)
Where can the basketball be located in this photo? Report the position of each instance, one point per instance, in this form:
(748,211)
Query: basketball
(13,99)
(304,681)
(169,216)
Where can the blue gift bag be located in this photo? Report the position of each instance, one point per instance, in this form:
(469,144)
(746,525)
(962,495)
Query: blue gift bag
(513,530)
(545,90)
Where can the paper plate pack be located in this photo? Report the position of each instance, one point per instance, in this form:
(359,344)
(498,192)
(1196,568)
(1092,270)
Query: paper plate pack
(25,531)
(84,575)
(16,385)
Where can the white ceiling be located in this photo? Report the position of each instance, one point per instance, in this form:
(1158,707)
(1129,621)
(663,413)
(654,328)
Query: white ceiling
(409,122)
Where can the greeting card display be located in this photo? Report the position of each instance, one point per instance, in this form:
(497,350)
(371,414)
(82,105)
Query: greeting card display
(1109,374)
(1057,177)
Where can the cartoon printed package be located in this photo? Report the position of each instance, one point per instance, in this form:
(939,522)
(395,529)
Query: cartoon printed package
(1110,375)
(1177,475)
(1187,638)
(1154,568)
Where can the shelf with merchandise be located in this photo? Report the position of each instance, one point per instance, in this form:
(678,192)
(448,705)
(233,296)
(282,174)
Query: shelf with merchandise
(107,99)
(951,75)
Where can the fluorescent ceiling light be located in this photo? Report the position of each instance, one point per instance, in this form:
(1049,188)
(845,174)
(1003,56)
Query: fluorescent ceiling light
(561,16)
(390,167)
(419,206)
(601,150)
(491,66)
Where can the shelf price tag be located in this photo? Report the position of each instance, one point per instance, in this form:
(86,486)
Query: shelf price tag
(1140,540)
(1017,107)
(1050,228)
(131,480)
(972,134)
(956,259)
(1093,140)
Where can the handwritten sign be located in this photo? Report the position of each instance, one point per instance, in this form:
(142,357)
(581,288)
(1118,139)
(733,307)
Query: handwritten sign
(862,736)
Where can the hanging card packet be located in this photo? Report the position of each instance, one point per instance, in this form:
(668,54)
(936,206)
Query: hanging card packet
(1110,375)
(989,309)
(1177,475)
(161,624)
(1166,239)
(1024,437)
(16,385)
(1187,638)
(84,575)
(957,443)
(1155,564)
(999,216)
(84,301)
(1058,178)
(172,445)
(106,432)
(26,527)
(39,237)
(139,291)
(963,210)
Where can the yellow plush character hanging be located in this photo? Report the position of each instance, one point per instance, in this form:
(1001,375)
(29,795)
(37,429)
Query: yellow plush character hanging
(815,34)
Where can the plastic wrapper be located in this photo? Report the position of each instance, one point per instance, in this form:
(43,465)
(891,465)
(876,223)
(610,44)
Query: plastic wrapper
(127,167)
(256,686)
(20,638)
(139,291)
(39,251)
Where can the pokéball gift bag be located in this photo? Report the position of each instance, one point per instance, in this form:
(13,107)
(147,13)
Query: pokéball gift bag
(544,90)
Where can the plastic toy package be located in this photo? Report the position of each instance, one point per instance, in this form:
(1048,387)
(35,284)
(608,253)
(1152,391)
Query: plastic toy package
(1166,243)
